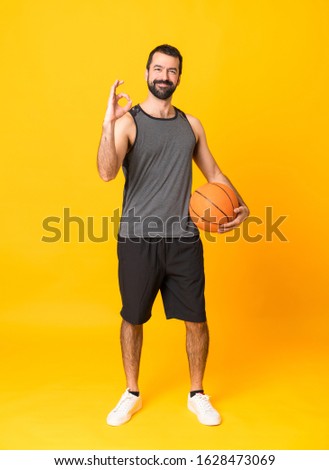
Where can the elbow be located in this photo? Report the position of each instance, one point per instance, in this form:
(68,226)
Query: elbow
(106,175)
(107,178)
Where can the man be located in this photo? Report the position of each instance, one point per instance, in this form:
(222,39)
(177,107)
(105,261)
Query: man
(159,247)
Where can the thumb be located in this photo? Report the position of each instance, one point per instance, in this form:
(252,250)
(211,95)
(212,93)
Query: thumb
(237,209)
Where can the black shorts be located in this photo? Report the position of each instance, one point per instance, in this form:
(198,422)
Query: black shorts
(174,266)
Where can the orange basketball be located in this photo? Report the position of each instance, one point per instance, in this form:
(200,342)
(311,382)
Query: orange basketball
(212,205)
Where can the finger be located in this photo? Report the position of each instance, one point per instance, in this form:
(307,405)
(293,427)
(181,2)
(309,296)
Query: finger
(115,86)
(230,225)
(117,83)
(127,107)
(234,223)
(123,95)
(224,230)
(112,92)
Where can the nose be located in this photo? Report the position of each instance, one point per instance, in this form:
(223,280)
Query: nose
(165,74)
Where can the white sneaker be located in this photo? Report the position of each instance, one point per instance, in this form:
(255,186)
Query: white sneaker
(127,406)
(200,405)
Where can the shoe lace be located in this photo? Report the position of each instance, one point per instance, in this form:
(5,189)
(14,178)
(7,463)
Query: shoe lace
(203,402)
(124,404)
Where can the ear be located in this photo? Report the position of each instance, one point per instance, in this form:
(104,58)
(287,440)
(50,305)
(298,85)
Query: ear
(146,75)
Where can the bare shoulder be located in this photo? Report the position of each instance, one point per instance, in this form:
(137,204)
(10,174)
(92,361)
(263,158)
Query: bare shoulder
(196,125)
(192,119)
(125,122)
(125,128)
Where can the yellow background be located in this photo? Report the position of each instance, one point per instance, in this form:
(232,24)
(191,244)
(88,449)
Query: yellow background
(256,74)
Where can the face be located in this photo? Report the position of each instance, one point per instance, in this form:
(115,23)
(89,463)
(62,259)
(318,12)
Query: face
(163,75)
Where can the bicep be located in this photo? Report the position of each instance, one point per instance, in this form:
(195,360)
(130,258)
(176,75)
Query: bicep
(123,133)
(203,157)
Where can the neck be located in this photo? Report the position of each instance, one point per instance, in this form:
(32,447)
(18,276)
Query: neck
(158,108)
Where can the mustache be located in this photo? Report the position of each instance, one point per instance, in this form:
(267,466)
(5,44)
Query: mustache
(163,82)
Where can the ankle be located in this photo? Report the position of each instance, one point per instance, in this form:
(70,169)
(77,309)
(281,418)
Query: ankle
(194,392)
(133,390)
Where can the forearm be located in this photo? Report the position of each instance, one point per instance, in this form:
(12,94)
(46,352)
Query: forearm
(107,158)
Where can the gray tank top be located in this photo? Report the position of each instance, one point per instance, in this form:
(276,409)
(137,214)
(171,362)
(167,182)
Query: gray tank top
(158,172)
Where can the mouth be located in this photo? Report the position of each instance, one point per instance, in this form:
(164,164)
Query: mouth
(163,85)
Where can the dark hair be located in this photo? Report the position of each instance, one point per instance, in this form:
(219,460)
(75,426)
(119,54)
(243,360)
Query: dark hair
(168,50)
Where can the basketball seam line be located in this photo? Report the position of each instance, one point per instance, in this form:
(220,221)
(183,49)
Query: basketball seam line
(212,203)
(217,184)
(202,218)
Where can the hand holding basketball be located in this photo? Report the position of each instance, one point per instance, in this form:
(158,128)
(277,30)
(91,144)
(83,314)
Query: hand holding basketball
(214,207)
(242,212)
(114,110)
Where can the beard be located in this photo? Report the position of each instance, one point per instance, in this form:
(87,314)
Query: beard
(161,93)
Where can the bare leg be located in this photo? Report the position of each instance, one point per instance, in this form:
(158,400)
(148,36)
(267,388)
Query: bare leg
(131,337)
(197,344)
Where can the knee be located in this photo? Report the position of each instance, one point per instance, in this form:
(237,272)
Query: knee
(126,325)
(196,327)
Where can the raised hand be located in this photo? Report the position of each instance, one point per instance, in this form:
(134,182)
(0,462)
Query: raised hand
(114,111)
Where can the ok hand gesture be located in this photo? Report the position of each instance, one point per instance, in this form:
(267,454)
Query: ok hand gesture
(114,110)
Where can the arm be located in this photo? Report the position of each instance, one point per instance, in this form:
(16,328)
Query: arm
(116,130)
(208,166)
